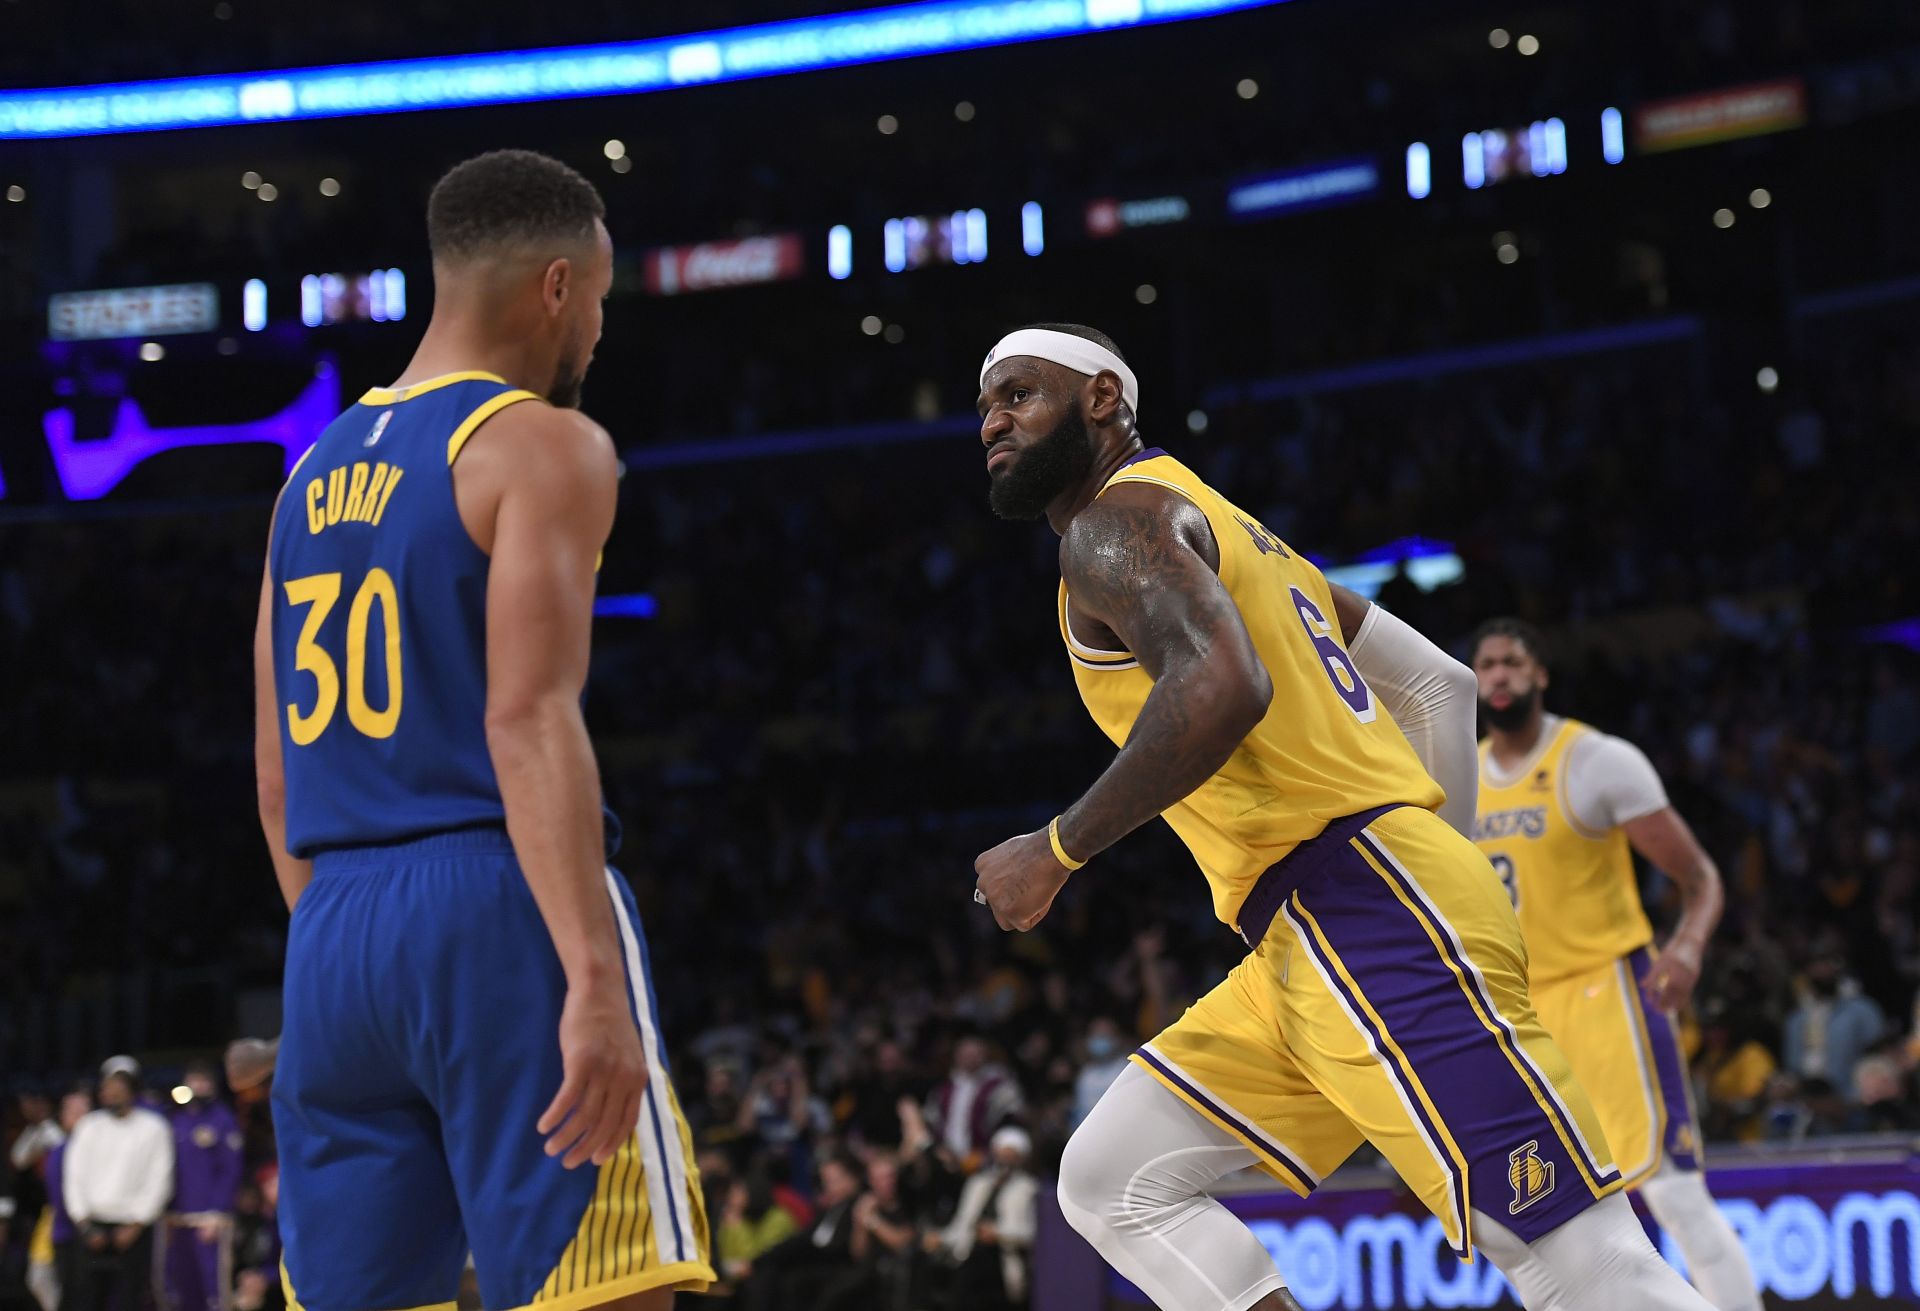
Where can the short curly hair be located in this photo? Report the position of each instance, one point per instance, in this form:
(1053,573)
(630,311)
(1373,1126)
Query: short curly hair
(1519,630)
(509,197)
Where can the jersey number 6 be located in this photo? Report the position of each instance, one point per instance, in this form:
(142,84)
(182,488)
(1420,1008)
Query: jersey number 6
(322,591)
(1345,678)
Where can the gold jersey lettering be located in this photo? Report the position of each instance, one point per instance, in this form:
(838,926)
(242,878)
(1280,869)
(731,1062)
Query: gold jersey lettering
(374,486)
(356,489)
(386,493)
(336,494)
(316,520)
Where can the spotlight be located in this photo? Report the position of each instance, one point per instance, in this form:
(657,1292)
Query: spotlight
(614,149)
(267,191)
(16,193)
(250,180)
(871,325)
(895,334)
(329,186)
(1528,45)
(152,352)
(624,164)
(1760,198)
(1248,88)
(1722,218)
(1146,293)
(964,111)
(1498,38)
(1196,422)
(888,125)
(1768,380)
(182,1094)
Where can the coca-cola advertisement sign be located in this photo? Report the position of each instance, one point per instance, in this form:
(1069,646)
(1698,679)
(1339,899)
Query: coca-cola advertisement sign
(674,269)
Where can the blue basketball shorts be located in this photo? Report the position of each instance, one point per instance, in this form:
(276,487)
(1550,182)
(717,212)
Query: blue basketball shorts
(423,1000)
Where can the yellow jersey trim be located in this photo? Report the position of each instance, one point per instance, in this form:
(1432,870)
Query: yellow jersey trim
(683,1276)
(293,1303)
(302,460)
(1546,1104)
(1262,1154)
(1092,657)
(1643,1056)
(487,410)
(1564,768)
(1124,477)
(395,395)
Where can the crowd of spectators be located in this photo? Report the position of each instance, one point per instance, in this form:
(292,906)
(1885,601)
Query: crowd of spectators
(112,1198)
(853,684)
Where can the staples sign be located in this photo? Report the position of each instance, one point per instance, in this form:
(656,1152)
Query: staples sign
(133,312)
(674,269)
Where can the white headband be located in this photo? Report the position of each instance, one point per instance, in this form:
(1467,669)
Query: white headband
(1076,353)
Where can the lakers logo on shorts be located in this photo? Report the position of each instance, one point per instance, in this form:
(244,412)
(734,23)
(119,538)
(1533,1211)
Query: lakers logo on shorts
(1531,1177)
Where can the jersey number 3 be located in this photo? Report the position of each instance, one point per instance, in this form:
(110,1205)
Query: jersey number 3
(1345,678)
(321,592)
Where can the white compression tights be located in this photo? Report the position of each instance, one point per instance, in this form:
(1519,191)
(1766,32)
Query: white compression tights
(1716,1262)
(1134,1180)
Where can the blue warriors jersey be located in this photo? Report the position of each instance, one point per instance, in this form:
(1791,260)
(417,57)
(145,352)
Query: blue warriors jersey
(379,623)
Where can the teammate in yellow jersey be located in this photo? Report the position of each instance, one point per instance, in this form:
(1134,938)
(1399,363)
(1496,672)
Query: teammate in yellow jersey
(1562,808)
(1281,727)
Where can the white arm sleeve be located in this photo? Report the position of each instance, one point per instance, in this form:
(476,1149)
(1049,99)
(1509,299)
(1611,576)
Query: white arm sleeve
(1432,698)
(1610,781)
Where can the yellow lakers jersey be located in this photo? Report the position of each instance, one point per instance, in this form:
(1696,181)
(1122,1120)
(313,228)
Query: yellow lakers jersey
(1574,889)
(1327,747)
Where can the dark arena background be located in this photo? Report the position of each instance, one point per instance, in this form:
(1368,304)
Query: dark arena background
(1603,315)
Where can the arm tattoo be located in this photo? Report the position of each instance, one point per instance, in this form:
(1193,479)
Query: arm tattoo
(1128,563)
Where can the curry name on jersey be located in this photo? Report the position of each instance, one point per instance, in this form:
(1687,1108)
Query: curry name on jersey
(378,620)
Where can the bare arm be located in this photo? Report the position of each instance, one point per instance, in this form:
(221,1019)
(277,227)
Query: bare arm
(1665,839)
(557,477)
(1130,561)
(269,773)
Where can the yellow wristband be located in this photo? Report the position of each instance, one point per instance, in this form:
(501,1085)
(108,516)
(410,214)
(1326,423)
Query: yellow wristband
(1060,852)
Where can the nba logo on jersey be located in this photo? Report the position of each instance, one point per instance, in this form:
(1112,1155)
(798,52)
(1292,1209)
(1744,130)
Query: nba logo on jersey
(379,426)
(1531,1177)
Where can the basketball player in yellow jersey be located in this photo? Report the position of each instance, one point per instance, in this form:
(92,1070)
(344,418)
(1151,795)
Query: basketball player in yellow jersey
(1384,994)
(1562,809)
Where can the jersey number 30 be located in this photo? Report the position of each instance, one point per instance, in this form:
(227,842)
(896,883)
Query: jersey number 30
(1339,665)
(321,592)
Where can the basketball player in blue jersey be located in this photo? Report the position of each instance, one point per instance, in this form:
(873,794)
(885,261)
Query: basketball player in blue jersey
(470,1059)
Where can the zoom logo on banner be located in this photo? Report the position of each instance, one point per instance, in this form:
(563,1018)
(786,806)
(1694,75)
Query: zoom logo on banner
(1862,1245)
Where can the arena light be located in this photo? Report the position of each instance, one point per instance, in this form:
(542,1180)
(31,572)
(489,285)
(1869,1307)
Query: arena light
(1613,136)
(1033,230)
(1419,171)
(1473,160)
(89,468)
(623,68)
(630,605)
(253,305)
(840,252)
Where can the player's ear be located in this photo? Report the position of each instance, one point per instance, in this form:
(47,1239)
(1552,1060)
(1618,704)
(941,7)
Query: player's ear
(557,285)
(1103,398)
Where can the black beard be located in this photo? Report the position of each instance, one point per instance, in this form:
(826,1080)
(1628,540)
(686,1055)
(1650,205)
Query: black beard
(1044,470)
(564,394)
(1515,716)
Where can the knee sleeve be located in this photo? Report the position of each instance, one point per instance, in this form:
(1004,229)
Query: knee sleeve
(1133,1183)
(1599,1258)
(1717,1263)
